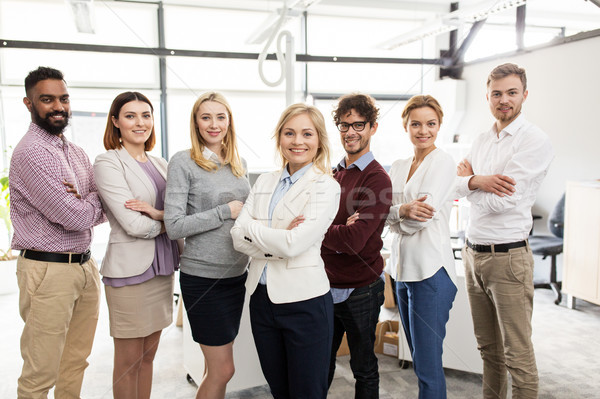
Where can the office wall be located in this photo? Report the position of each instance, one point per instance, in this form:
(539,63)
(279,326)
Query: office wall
(564,100)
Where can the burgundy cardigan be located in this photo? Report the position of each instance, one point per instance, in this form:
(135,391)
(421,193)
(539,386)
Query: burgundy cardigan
(352,253)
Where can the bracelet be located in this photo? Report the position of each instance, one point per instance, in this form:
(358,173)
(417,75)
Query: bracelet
(400,218)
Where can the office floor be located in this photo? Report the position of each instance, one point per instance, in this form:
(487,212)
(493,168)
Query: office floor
(567,345)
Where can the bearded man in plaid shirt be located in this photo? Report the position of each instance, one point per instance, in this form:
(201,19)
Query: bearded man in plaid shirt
(54,206)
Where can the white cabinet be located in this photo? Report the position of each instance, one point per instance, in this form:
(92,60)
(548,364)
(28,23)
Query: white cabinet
(460,345)
(247,367)
(581,267)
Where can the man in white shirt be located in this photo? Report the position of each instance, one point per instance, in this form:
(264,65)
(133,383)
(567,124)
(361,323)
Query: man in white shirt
(500,178)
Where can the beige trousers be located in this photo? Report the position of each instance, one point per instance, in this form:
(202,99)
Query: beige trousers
(59,303)
(500,290)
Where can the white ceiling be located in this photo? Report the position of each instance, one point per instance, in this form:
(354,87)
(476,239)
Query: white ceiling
(574,15)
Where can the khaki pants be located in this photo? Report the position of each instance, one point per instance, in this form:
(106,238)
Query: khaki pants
(500,289)
(59,303)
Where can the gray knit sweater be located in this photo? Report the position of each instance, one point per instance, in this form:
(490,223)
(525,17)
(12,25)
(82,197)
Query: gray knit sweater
(196,209)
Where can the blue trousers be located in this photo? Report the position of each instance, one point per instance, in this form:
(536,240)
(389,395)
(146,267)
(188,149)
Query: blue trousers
(293,341)
(425,309)
(358,316)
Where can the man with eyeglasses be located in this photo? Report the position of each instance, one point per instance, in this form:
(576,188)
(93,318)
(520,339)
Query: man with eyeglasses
(352,245)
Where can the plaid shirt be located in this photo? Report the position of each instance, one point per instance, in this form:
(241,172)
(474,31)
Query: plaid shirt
(44,215)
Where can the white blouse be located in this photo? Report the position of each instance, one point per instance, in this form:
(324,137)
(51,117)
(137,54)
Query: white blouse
(419,249)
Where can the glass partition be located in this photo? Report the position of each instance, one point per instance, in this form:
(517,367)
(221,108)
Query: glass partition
(115,23)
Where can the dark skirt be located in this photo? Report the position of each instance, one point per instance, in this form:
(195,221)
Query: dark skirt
(213,306)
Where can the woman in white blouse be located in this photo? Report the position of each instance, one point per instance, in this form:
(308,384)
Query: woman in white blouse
(421,251)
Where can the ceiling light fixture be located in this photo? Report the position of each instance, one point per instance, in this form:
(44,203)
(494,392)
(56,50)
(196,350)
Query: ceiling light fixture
(452,21)
(83,14)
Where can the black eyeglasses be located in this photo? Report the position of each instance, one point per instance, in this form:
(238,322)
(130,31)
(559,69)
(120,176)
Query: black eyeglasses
(357,126)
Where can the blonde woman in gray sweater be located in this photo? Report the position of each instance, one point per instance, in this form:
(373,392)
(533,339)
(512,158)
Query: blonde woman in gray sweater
(206,189)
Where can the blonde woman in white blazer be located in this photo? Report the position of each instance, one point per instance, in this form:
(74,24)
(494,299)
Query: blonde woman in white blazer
(140,259)
(423,188)
(281,228)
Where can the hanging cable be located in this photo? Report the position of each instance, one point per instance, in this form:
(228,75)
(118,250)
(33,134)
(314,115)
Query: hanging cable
(280,57)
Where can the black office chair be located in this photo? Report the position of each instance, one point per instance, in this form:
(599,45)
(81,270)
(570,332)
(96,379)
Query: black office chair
(551,245)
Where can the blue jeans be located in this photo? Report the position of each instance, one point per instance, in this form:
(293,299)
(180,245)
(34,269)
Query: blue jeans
(293,341)
(425,309)
(358,316)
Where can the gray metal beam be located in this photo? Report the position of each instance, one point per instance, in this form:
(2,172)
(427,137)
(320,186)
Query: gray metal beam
(157,51)
(455,69)
(304,50)
(379,97)
(368,60)
(162,70)
(453,34)
(459,56)
(596,2)
(520,26)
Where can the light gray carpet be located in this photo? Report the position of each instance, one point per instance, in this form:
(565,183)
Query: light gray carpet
(567,344)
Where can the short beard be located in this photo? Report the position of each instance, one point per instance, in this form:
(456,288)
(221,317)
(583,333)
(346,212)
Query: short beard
(360,147)
(45,123)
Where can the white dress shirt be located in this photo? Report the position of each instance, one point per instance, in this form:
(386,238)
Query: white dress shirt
(521,151)
(420,249)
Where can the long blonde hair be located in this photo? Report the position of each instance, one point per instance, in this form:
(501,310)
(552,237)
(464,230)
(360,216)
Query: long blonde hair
(322,159)
(229,145)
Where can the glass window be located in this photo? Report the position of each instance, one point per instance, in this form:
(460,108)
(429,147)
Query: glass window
(361,37)
(89,108)
(82,68)
(391,141)
(225,74)
(492,40)
(213,29)
(388,144)
(255,115)
(123,24)
(370,78)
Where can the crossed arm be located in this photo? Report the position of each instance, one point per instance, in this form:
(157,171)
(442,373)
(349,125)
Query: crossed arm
(252,237)
(413,216)
(58,199)
(520,177)
(500,185)
(138,218)
(373,206)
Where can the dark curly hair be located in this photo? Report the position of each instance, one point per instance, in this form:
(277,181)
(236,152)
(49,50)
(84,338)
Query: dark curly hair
(364,104)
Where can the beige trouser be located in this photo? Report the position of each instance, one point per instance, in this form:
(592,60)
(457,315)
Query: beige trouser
(500,289)
(59,303)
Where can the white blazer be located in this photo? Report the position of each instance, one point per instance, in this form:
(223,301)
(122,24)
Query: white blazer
(296,271)
(119,178)
(420,249)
